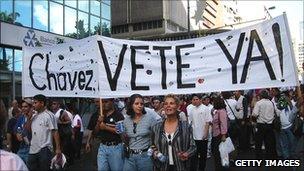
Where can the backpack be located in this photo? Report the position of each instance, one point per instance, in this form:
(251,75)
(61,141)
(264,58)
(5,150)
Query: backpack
(64,129)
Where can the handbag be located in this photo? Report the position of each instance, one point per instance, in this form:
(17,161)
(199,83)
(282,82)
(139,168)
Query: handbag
(276,122)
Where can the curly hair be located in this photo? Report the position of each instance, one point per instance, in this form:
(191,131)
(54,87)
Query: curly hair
(176,99)
(130,103)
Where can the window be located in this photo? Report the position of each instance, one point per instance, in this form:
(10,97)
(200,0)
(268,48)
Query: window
(18,60)
(6,59)
(70,22)
(56,18)
(83,24)
(95,7)
(95,25)
(58,1)
(83,5)
(106,11)
(6,6)
(107,2)
(71,3)
(23,8)
(40,15)
(106,28)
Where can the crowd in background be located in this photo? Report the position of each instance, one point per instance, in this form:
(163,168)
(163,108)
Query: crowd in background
(172,132)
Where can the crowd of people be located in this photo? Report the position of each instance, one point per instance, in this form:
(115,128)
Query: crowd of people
(172,132)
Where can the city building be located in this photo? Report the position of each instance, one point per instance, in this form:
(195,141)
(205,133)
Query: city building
(230,14)
(134,19)
(43,23)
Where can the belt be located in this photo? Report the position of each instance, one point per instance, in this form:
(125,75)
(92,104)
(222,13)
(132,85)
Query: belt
(137,151)
(113,143)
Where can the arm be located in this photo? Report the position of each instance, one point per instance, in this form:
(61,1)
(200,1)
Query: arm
(57,140)
(223,124)
(206,130)
(9,141)
(105,127)
(192,147)
(88,146)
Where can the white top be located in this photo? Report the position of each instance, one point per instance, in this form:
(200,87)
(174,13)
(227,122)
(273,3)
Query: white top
(286,115)
(10,161)
(189,107)
(75,121)
(42,125)
(199,117)
(239,105)
(57,115)
(171,162)
(264,110)
(232,109)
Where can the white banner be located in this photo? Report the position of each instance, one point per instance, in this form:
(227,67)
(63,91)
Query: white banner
(258,56)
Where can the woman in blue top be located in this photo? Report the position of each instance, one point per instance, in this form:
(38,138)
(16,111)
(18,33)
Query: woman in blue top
(138,125)
(22,129)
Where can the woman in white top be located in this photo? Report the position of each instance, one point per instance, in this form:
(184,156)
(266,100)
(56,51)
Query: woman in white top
(77,130)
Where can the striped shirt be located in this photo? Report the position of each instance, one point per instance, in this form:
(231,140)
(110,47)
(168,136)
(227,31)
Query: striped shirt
(182,141)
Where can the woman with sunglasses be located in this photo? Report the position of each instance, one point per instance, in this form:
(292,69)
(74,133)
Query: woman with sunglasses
(172,139)
(138,124)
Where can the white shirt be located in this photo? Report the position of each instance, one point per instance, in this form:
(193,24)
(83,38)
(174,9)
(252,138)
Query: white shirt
(231,111)
(10,161)
(199,117)
(239,105)
(171,162)
(57,115)
(189,107)
(75,121)
(42,125)
(264,110)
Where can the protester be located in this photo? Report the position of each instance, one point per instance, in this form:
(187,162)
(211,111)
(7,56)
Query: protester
(207,102)
(219,130)
(15,106)
(242,105)
(23,129)
(200,119)
(93,142)
(157,105)
(264,111)
(138,126)
(77,130)
(12,142)
(64,121)
(8,161)
(44,129)
(110,152)
(173,139)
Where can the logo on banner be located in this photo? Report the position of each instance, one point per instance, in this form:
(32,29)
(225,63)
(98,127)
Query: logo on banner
(30,38)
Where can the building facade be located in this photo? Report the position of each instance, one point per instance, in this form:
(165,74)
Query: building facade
(135,19)
(43,23)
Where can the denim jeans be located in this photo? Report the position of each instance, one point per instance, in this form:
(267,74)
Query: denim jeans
(23,153)
(138,162)
(287,142)
(110,157)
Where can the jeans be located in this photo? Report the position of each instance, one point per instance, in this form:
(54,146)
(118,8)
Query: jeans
(40,160)
(110,157)
(23,153)
(138,162)
(287,141)
(199,161)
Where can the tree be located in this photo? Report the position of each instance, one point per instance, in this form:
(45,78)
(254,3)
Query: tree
(106,30)
(10,18)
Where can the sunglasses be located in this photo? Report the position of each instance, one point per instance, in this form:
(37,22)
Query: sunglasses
(134,127)
(169,142)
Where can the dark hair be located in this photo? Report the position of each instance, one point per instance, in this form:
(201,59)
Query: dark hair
(195,95)
(264,94)
(218,103)
(157,98)
(72,108)
(41,98)
(131,101)
(226,94)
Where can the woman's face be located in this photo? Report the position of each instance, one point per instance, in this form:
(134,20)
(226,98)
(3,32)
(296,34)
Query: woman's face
(138,105)
(170,106)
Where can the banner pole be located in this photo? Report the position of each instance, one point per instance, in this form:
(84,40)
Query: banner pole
(101,111)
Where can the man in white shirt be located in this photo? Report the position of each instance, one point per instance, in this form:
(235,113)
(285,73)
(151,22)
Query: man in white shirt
(200,117)
(265,110)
